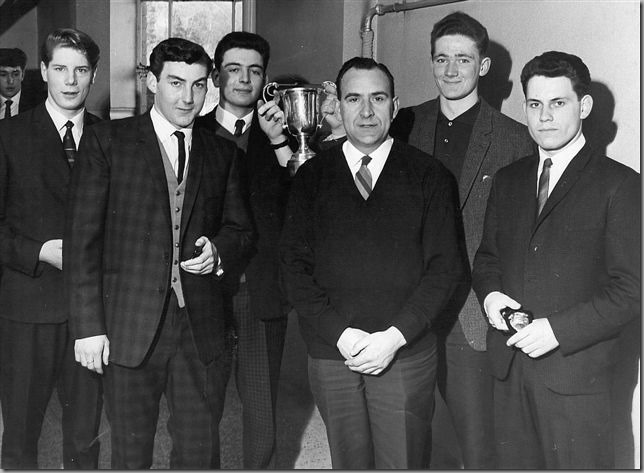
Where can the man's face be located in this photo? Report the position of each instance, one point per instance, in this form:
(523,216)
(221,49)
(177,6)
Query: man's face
(554,112)
(457,66)
(10,80)
(240,80)
(180,91)
(367,107)
(69,77)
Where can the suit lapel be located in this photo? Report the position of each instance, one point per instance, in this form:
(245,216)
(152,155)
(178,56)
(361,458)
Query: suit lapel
(193,180)
(568,179)
(147,145)
(47,140)
(426,133)
(476,151)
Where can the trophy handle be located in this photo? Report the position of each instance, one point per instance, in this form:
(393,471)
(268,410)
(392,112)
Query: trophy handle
(270,91)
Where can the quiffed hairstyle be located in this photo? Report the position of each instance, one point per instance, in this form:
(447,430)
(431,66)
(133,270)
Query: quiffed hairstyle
(558,64)
(178,50)
(70,38)
(13,57)
(363,63)
(462,24)
(242,40)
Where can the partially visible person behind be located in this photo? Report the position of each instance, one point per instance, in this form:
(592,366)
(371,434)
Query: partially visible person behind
(473,140)
(371,252)
(156,216)
(37,153)
(562,239)
(12,72)
(259,309)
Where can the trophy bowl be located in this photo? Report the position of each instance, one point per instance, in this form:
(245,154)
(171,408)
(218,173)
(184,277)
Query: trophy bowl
(301,106)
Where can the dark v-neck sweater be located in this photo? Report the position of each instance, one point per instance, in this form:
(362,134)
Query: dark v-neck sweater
(394,259)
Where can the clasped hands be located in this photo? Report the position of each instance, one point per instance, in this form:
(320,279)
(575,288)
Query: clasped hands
(369,353)
(536,339)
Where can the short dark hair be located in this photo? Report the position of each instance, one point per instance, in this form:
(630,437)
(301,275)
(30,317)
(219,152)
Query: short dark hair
(242,40)
(13,57)
(178,50)
(363,63)
(463,24)
(558,64)
(70,38)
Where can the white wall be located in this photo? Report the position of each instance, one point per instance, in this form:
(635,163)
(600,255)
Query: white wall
(604,33)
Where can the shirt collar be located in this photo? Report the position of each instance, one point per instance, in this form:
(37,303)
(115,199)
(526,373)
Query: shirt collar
(14,99)
(227,119)
(378,156)
(468,117)
(59,119)
(164,129)
(562,158)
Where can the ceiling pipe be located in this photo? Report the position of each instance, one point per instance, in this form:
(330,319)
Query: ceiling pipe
(366,33)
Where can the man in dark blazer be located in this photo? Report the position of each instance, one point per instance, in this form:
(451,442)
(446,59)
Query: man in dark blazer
(473,140)
(371,252)
(562,240)
(12,72)
(156,215)
(37,151)
(259,309)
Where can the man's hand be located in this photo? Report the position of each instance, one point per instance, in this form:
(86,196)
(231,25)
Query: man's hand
(535,339)
(93,352)
(205,262)
(348,339)
(493,304)
(51,253)
(271,120)
(373,354)
(330,109)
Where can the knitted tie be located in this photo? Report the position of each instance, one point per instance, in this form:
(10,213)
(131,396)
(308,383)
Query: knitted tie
(7,108)
(69,145)
(239,127)
(363,178)
(182,154)
(543,185)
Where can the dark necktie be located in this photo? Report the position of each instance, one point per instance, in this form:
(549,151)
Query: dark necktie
(239,127)
(543,185)
(182,154)
(69,145)
(7,108)
(363,178)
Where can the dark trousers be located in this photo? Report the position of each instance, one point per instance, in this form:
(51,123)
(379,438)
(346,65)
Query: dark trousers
(537,428)
(379,421)
(467,386)
(35,359)
(194,392)
(260,344)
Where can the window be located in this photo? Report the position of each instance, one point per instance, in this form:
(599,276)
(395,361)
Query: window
(204,22)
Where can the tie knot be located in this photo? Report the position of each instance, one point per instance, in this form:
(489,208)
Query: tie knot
(180,135)
(547,163)
(69,124)
(366,160)
(8,103)
(239,127)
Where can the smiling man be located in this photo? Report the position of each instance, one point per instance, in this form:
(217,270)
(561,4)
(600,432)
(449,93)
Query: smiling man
(561,239)
(156,216)
(259,309)
(372,251)
(37,152)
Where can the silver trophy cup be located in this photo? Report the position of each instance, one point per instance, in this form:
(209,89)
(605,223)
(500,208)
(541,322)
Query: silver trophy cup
(301,106)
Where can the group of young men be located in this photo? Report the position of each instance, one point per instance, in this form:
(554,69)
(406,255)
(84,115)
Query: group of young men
(185,239)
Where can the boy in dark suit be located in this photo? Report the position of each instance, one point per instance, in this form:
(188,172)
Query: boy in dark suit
(372,251)
(562,240)
(156,216)
(37,152)
(259,309)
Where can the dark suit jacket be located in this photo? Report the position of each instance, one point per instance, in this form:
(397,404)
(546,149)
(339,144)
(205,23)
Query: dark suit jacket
(395,259)
(118,246)
(267,186)
(28,101)
(34,179)
(579,265)
(496,141)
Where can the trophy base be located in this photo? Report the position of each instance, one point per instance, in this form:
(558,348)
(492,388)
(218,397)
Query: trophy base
(297,159)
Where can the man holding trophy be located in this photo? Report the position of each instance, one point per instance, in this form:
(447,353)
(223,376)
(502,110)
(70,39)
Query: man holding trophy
(371,251)
(260,313)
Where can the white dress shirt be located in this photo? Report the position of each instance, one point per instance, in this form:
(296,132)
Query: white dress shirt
(59,121)
(378,158)
(228,120)
(560,161)
(15,104)
(165,133)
